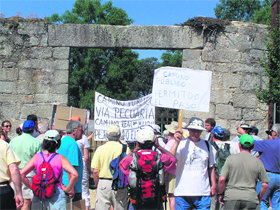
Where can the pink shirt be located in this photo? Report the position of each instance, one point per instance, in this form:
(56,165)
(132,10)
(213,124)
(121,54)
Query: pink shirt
(169,145)
(168,161)
(55,163)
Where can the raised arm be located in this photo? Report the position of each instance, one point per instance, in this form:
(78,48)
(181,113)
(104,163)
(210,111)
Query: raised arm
(178,137)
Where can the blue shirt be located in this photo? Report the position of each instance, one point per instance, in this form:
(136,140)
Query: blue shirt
(270,153)
(69,149)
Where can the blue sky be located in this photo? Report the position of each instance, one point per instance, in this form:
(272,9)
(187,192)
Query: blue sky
(143,12)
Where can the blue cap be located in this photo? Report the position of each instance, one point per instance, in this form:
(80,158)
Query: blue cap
(219,131)
(28,125)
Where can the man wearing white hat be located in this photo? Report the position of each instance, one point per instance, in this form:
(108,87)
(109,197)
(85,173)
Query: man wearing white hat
(195,160)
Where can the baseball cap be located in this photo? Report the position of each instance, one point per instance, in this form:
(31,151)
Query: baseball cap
(28,125)
(52,135)
(113,132)
(219,132)
(144,135)
(196,124)
(246,140)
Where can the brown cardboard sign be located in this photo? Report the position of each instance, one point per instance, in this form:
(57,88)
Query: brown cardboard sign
(64,113)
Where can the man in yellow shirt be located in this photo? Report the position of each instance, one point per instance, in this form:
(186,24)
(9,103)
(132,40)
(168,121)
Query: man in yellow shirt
(9,170)
(105,196)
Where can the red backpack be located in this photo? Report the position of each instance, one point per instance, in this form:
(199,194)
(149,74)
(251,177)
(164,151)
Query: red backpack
(44,183)
(146,179)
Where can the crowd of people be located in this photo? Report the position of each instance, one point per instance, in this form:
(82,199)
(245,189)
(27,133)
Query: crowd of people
(191,170)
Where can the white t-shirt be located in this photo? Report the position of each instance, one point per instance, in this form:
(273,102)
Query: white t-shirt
(191,172)
(207,135)
(83,143)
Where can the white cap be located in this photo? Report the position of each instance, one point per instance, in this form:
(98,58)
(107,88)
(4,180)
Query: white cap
(113,132)
(146,134)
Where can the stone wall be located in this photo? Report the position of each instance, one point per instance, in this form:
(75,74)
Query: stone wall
(34,64)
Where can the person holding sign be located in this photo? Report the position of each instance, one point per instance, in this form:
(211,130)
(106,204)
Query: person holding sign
(194,172)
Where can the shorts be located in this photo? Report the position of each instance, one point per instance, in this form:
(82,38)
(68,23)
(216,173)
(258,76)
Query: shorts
(57,202)
(170,181)
(27,193)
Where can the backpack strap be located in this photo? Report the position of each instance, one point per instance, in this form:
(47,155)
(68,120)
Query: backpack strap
(208,163)
(215,145)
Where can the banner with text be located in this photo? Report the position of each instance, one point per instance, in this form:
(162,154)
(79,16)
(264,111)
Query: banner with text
(129,115)
(182,88)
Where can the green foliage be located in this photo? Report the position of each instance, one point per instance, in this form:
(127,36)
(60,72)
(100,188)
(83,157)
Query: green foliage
(263,16)
(172,58)
(271,65)
(110,72)
(239,10)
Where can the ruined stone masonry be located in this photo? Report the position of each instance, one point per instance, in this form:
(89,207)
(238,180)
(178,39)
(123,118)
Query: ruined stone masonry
(34,64)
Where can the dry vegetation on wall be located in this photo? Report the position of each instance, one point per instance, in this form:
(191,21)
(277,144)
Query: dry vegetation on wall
(210,27)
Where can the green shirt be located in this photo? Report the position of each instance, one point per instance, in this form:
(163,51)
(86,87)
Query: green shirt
(242,172)
(25,147)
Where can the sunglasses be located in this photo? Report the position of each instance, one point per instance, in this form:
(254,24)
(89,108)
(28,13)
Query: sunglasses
(7,126)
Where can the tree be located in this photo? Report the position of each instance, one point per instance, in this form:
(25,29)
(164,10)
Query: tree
(172,58)
(271,64)
(240,10)
(110,72)
(263,16)
(143,80)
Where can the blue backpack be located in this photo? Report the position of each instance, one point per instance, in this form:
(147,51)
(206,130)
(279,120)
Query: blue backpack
(120,181)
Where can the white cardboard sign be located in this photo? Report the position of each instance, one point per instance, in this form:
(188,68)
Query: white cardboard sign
(129,115)
(182,88)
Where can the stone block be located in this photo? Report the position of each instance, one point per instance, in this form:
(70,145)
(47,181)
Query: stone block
(41,52)
(9,74)
(7,87)
(231,80)
(9,111)
(43,40)
(228,112)
(138,37)
(42,110)
(32,28)
(61,77)
(192,55)
(25,87)
(220,96)
(202,115)
(61,53)
(194,64)
(45,64)
(220,56)
(245,100)
(25,74)
(216,81)
(249,82)
(251,114)
(252,57)
(60,89)
(50,98)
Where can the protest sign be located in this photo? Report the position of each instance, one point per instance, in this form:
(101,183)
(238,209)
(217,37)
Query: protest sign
(182,88)
(129,115)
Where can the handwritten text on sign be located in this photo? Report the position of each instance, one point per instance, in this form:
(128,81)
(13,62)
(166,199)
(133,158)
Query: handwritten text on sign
(182,88)
(129,115)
